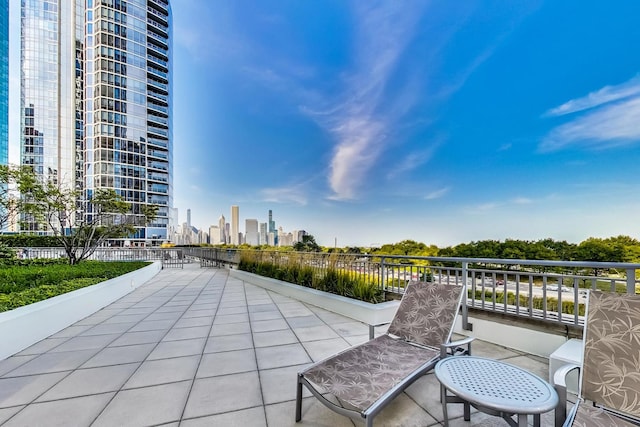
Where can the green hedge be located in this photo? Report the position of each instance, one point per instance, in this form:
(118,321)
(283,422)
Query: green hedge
(328,280)
(568,307)
(39,293)
(27,274)
(29,240)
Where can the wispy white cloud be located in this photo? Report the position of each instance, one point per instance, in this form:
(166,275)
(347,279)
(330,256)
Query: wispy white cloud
(412,161)
(361,123)
(605,95)
(609,126)
(294,194)
(437,193)
(522,201)
(610,118)
(486,207)
(501,204)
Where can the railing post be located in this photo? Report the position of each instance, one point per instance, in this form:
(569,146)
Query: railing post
(382,274)
(631,281)
(465,310)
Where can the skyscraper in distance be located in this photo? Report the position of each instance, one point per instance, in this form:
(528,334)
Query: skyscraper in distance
(252,236)
(96,100)
(272,228)
(235,220)
(222,225)
(263,233)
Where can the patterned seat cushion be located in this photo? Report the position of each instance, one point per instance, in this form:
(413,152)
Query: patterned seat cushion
(361,375)
(590,416)
(611,374)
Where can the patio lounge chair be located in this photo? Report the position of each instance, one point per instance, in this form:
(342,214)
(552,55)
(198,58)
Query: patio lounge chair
(366,377)
(610,374)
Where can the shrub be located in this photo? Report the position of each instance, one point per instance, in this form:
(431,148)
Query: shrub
(568,307)
(35,273)
(294,270)
(39,293)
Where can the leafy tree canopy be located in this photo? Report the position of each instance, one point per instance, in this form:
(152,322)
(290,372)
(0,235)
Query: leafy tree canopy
(78,224)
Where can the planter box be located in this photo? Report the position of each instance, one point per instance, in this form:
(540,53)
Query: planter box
(25,326)
(371,314)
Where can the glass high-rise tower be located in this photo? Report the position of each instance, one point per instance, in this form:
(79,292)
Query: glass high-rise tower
(96,100)
(4,81)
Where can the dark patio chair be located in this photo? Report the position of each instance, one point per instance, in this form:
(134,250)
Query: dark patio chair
(366,377)
(610,376)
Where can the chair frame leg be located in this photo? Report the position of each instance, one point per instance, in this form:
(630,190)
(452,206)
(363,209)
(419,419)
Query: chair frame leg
(299,401)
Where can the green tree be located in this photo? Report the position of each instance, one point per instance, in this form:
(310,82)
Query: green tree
(308,244)
(13,180)
(599,250)
(80,225)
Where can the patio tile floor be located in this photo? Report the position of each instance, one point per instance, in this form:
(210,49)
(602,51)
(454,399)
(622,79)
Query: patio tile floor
(194,347)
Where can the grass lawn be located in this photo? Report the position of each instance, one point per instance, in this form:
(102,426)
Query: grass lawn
(26,282)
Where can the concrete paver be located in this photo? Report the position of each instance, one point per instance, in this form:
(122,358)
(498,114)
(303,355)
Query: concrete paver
(193,347)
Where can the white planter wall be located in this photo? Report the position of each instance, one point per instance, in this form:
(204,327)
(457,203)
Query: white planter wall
(25,326)
(371,314)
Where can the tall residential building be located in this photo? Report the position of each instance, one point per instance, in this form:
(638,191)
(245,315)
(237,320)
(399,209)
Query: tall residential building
(51,99)
(235,220)
(4,82)
(189,217)
(96,100)
(252,237)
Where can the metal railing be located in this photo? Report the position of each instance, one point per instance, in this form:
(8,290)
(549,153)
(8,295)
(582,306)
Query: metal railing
(550,291)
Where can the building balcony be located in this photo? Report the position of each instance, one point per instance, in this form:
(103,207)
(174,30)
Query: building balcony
(157,62)
(158,109)
(158,50)
(160,29)
(154,130)
(161,17)
(199,346)
(155,86)
(158,142)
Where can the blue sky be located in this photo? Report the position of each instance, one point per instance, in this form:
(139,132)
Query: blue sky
(442,122)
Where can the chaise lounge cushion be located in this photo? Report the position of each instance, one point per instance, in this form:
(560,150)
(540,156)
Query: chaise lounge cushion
(362,374)
(590,416)
(611,375)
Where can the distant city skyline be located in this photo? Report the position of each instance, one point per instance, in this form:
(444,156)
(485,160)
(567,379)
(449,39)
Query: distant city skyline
(256,232)
(441,122)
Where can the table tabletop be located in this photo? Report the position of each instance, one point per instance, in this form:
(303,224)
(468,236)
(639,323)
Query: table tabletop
(496,385)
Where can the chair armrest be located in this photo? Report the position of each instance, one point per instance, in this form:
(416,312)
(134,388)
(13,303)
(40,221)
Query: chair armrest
(455,347)
(560,384)
(372,328)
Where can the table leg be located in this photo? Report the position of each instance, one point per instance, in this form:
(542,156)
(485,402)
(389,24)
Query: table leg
(522,420)
(536,420)
(443,399)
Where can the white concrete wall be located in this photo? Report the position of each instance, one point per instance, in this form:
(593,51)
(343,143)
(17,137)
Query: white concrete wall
(25,326)
(371,314)
(512,336)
